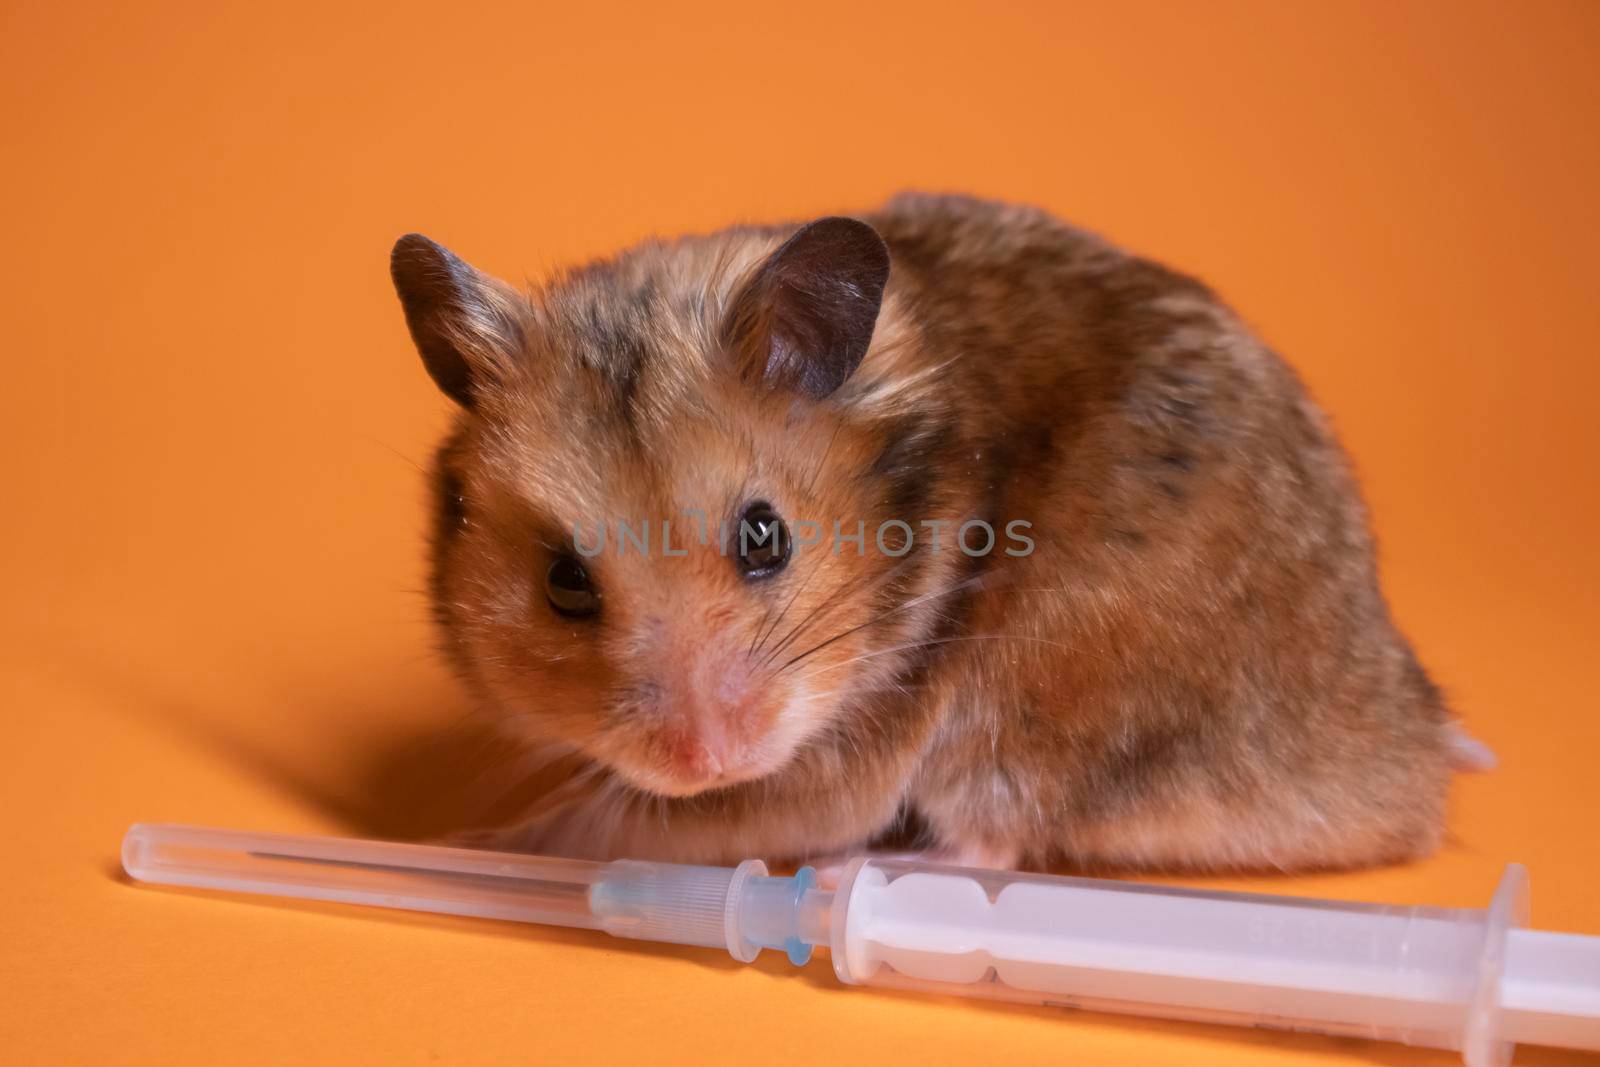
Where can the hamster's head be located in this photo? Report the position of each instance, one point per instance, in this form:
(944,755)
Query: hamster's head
(660,535)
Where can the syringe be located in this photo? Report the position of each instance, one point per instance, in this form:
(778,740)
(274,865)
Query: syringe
(1466,979)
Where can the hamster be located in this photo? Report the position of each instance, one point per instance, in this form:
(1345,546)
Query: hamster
(951,516)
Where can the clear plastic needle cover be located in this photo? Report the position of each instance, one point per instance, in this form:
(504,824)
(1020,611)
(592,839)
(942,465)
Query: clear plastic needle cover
(1466,979)
(458,881)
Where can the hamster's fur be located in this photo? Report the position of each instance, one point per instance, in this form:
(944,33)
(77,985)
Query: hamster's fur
(1192,668)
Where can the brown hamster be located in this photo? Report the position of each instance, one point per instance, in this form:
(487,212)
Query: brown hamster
(954,514)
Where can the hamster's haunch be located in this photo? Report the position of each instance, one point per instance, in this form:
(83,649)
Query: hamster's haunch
(952,515)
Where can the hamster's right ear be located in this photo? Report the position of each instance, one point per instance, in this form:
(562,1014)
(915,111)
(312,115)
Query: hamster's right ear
(467,326)
(805,318)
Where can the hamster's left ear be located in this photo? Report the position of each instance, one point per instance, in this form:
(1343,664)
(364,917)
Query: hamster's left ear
(804,319)
(469,327)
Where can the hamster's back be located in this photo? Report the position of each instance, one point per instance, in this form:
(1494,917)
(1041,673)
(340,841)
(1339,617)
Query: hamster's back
(1195,666)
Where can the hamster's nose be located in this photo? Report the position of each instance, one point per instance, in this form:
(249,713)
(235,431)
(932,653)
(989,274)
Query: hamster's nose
(696,757)
(711,706)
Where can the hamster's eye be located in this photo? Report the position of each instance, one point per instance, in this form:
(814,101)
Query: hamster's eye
(452,503)
(571,593)
(763,541)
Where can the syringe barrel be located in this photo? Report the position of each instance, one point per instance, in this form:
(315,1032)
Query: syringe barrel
(1417,975)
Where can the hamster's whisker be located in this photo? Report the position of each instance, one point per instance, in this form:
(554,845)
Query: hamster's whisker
(763,638)
(956,587)
(820,611)
(387,447)
(839,596)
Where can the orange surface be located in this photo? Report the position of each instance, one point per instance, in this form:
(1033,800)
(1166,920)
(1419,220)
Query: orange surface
(212,417)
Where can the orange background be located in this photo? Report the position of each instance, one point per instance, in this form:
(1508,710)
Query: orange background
(212,418)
